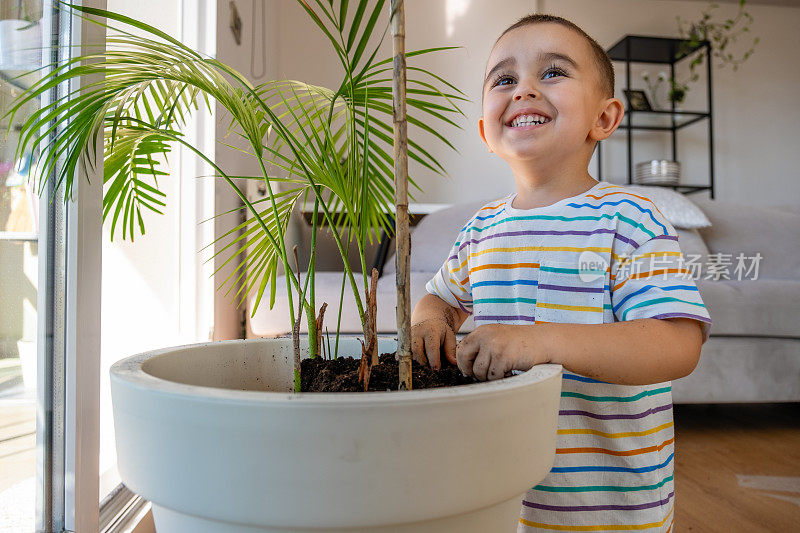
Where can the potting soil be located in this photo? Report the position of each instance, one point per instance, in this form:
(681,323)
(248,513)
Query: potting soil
(341,375)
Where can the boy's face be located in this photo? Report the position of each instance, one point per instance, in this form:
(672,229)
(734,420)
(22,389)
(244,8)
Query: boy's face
(541,69)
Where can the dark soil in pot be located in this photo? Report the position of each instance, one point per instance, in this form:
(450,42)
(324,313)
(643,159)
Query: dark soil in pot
(341,375)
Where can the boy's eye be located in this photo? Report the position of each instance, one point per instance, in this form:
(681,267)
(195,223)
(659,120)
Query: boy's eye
(501,78)
(554,71)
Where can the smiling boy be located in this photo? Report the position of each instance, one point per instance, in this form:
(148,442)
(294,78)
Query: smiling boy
(571,271)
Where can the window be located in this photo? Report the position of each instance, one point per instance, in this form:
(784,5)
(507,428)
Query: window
(21,27)
(49,296)
(55,351)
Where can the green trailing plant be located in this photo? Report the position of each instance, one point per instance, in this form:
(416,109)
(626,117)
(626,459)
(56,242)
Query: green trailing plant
(331,145)
(721,34)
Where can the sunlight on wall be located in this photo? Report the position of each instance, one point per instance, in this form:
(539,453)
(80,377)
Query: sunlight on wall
(454,10)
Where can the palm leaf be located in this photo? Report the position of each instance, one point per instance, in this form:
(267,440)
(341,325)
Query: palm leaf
(333,144)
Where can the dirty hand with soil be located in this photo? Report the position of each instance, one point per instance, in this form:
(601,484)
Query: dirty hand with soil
(491,351)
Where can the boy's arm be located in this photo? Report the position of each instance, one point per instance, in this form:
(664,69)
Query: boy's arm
(434,324)
(634,352)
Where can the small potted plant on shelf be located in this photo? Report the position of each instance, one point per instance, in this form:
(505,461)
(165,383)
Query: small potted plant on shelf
(217,436)
(652,86)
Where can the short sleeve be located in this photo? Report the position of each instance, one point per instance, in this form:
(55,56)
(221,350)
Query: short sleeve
(654,280)
(451,283)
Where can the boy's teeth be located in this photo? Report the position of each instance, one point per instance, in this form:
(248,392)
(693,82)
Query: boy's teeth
(524,120)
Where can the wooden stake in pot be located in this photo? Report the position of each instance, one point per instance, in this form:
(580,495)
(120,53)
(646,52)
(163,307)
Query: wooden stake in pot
(403,238)
(320,318)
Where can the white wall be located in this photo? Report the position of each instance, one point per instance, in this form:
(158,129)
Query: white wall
(757,116)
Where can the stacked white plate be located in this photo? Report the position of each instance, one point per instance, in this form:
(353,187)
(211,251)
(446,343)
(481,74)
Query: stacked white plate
(657,171)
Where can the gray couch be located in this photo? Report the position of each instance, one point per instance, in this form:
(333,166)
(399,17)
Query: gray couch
(753,354)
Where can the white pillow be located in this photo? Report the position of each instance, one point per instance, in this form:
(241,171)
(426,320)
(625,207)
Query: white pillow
(676,207)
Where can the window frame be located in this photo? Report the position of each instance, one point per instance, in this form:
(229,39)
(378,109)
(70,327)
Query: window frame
(68,336)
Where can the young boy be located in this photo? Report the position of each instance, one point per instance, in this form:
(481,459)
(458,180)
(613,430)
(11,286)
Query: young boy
(576,272)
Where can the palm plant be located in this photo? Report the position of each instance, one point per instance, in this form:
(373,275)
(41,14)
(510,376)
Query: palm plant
(331,145)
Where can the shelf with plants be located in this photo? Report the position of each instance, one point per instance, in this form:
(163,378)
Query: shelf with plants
(685,189)
(658,51)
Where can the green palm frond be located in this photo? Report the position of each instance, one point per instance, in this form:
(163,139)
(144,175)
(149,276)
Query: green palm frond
(127,170)
(333,145)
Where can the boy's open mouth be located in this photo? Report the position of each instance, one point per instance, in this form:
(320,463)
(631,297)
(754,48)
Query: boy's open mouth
(528,121)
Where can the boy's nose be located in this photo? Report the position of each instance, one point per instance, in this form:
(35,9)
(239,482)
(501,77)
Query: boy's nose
(528,92)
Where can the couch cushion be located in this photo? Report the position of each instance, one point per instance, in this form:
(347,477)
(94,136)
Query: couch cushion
(433,237)
(743,370)
(692,244)
(271,322)
(762,308)
(742,229)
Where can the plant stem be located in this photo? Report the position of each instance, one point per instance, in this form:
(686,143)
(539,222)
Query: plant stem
(313,333)
(282,244)
(296,330)
(313,270)
(403,238)
(339,319)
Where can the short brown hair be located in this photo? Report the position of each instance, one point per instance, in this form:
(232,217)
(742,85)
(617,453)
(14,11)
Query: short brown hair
(602,61)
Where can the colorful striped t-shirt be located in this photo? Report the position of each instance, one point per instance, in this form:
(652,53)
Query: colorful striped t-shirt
(603,256)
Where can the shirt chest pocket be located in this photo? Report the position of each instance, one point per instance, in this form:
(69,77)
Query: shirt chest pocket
(569,294)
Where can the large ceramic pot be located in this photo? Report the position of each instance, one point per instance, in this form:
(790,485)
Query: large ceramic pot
(212,435)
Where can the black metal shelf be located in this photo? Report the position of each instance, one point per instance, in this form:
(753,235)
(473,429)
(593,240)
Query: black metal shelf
(652,49)
(685,189)
(658,119)
(662,50)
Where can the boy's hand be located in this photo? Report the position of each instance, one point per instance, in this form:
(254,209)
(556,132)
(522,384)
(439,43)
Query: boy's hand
(430,339)
(492,351)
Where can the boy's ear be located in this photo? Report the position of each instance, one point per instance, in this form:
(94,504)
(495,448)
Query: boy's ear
(483,135)
(609,120)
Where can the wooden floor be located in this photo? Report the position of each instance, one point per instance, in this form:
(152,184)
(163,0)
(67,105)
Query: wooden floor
(737,466)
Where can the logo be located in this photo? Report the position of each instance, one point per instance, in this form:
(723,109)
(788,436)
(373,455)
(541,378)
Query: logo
(591,266)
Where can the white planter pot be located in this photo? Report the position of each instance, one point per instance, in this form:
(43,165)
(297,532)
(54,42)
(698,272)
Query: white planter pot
(20,49)
(213,437)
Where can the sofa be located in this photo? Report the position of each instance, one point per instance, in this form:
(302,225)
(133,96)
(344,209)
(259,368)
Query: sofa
(752,355)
